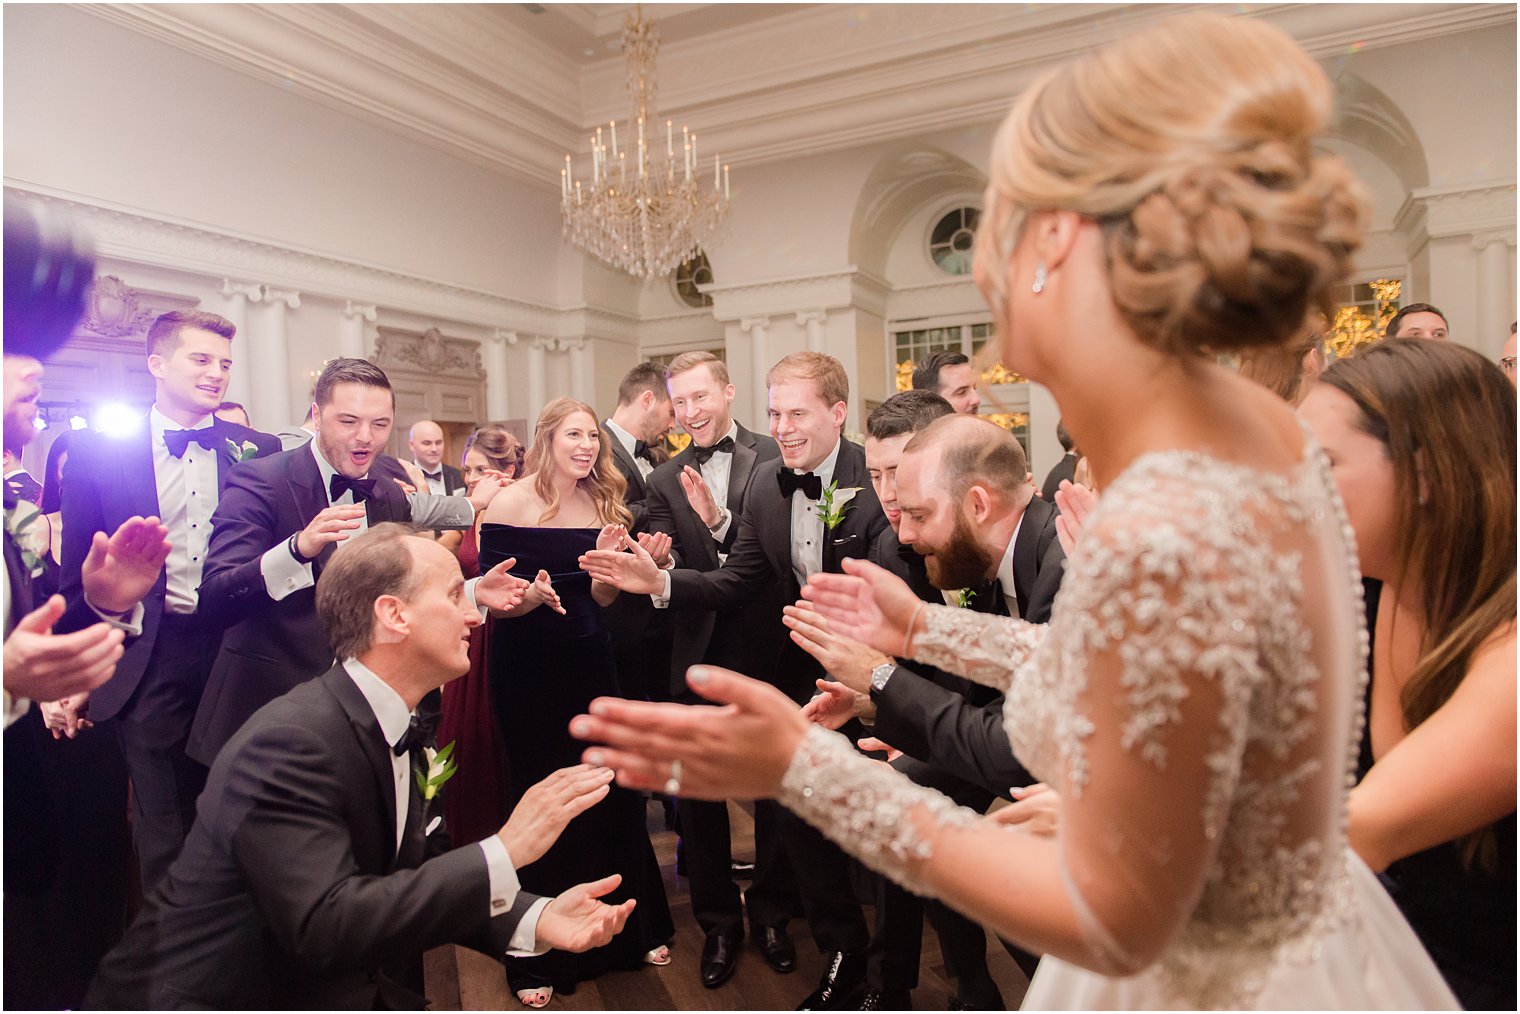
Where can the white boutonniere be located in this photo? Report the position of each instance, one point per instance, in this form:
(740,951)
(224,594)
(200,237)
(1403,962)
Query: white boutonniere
(242,452)
(834,504)
(24,523)
(440,768)
(964,596)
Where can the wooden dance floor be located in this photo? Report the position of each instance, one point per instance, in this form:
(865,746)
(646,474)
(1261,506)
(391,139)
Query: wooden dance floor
(461,979)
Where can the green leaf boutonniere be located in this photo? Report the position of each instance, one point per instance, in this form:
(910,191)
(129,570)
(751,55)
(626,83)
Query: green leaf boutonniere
(834,504)
(964,596)
(242,452)
(24,523)
(440,768)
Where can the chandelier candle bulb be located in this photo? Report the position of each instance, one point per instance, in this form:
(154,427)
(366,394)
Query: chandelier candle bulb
(670,148)
(725,183)
(613,125)
(715,172)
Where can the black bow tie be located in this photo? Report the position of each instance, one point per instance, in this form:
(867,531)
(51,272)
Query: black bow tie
(704,454)
(419,733)
(809,484)
(433,476)
(178,440)
(641,450)
(363,489)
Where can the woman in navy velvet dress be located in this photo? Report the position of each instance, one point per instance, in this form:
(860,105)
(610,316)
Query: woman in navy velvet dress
(547,660)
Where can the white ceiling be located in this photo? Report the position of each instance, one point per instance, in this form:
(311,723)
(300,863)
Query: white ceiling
(515,90)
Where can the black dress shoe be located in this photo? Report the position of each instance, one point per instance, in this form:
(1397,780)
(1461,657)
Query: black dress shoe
(879,999)
(720,956)
(776,947)
(842,985)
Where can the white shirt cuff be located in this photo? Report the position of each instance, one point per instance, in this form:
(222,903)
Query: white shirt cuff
(15,707)
(469,593)
(131,624)
(504,886)
(283,575)
(662,598)
(721,532)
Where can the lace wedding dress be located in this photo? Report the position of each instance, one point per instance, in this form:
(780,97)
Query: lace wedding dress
(1195,699)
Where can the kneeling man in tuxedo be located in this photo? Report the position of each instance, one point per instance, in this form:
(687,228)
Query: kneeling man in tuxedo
(310,878)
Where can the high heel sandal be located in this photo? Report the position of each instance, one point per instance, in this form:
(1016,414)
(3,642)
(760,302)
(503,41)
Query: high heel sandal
(659,956)
(541,994)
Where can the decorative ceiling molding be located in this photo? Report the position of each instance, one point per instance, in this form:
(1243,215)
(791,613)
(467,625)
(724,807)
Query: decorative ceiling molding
(138,237)
(823,78)
(829,290)
(1440,212)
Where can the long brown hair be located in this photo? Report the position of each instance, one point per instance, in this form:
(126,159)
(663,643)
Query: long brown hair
(605,485)
(1445,416)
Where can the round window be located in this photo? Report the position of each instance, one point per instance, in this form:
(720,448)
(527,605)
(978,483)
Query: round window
(951,241)
(693,272)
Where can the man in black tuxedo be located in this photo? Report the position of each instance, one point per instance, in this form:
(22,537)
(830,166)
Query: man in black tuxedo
(66,848)
(173,466)
(783,539)
(967,511)
(696,498)
(1065,469)
(636,431)
(312,877)
(425,438)
(275,529)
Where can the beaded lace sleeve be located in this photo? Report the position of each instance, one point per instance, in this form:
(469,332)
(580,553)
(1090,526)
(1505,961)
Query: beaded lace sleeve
(863,804)
(978,646)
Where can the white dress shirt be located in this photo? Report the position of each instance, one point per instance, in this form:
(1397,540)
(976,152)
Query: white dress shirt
(716,473)
(394,718)
(187,495)
(629,442)
(434,482)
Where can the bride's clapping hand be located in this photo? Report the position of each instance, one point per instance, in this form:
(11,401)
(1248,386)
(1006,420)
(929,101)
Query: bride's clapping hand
(740,750)
(1035,808)
(1075,502)
(866,603)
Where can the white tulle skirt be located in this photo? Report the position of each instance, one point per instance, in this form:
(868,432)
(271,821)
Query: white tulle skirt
(1373,961)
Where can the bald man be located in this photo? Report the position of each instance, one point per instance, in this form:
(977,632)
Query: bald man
(426,441)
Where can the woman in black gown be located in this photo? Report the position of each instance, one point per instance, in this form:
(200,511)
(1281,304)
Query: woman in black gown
(548,659)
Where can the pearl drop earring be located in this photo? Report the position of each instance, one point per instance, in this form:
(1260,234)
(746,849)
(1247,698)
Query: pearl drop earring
(1039,279)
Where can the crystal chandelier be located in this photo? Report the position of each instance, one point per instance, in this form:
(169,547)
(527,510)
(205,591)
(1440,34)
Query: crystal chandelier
(640,214)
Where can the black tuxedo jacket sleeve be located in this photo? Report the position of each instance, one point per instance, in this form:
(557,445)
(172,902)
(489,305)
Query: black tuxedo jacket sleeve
(108,480)
(269,646)
(936,724)
(290,891)
(453,480)
(703,635)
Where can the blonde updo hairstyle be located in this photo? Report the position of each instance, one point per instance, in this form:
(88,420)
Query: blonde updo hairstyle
(1190,144)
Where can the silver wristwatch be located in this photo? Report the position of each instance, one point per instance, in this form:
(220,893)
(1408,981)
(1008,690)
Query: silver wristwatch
(881,674)
(723,517)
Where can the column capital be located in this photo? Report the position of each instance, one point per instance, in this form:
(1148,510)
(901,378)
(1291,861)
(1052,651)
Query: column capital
(750,324)
(250,291)
(504,336)
(806,317)
(368,311)
(543,343)
(1483,240)
(289,297)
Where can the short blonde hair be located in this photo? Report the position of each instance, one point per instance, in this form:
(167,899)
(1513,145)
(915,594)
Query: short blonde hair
(691,360)
(824,370)
(1190,144)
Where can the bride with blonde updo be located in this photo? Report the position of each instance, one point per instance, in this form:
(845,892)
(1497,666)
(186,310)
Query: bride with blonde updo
(1194,701)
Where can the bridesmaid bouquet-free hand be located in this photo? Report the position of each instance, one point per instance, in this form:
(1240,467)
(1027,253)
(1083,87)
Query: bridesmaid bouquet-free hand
(440,768)
(834,504)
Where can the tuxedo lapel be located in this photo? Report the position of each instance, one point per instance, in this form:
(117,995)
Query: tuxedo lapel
(627,465)
(371,741)
(305,483)
(853,536)
(20,580)
(773,517)
(743,465)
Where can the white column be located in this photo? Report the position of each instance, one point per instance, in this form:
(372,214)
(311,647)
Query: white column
(273,381)
(497,405)
(580,373)
(244,349)
(351,336)
(759,358)
(1496,307)
(537,384)
(813,320)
